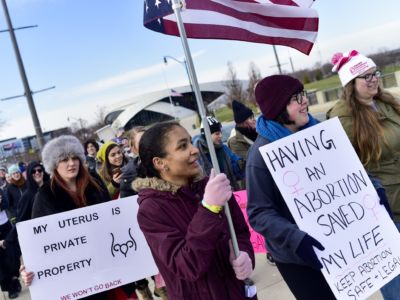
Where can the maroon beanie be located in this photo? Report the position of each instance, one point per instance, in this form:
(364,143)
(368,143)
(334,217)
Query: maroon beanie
(273,93)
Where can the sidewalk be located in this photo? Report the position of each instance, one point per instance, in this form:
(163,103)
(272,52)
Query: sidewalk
(270,285)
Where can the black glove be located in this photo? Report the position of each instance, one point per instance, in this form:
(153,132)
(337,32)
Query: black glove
(383,200)
(306,252)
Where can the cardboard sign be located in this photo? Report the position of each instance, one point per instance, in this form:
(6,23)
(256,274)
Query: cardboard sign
(256,239)
(332,198)
(85,251)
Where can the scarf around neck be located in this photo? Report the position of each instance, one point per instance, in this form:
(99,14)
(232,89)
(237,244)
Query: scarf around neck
(273,131)
(250,133)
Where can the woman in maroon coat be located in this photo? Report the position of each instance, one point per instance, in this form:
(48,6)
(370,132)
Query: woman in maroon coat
(183,221)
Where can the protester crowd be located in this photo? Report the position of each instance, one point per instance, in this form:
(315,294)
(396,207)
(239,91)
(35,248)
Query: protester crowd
(181,198)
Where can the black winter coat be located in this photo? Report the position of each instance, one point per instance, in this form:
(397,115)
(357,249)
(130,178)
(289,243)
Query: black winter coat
(4,200)
(47,203)
(14,194)
(129,174)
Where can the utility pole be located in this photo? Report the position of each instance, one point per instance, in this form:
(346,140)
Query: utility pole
(291,63)
(276,57)
(28,92)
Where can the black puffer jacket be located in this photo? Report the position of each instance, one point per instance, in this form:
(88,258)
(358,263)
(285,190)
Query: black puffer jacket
(129,174)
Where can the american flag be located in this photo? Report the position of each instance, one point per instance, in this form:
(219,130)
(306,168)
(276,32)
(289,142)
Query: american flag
(277,22)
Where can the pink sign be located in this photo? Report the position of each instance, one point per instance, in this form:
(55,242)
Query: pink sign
(256,239)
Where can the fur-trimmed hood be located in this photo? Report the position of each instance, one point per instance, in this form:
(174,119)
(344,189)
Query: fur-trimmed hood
(159,184)
(161,190)
(155,184)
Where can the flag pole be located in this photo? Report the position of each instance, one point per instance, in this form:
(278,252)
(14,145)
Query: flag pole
(177,6)
(172,105)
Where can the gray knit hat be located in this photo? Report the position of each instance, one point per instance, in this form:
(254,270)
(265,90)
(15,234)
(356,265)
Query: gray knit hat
(60,148)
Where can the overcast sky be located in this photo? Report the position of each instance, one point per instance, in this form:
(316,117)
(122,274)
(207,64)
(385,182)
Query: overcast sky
(97,53)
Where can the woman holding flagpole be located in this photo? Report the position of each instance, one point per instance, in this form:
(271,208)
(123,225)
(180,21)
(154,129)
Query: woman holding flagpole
(181,216)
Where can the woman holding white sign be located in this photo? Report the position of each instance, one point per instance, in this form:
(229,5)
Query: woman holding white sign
(181,216)
(70,187)
(284,106)
(371,118)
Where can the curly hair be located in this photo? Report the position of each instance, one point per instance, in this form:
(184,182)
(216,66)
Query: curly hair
(93,142)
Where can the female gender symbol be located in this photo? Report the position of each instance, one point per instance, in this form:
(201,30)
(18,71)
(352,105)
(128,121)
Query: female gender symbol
(291,179)
(370,203)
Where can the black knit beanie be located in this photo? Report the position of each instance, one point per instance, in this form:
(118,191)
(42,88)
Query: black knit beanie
(240,112)
(214,124)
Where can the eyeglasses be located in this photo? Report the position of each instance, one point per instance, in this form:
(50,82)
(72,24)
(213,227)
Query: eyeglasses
(368,77)
(37,171)
(299,97)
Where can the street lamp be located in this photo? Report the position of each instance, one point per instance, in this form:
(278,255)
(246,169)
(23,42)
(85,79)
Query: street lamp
(184,63)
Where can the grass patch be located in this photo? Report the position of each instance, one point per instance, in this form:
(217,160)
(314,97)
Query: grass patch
(391,69)
(324,84)
(224,114)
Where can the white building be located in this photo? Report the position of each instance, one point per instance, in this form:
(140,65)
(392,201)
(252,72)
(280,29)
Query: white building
(159,106)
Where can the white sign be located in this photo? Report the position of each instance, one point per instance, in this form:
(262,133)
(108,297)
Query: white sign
(85,251)
(331,198)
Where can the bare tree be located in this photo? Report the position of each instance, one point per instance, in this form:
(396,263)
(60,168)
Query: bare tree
(254,77)
(100,115)
(81,129)
(233,86)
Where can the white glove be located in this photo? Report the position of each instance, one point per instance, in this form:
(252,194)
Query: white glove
(218,189)
(241,265)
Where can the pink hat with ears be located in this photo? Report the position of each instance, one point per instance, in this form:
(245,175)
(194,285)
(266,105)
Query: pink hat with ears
(350,65)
